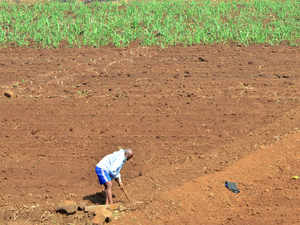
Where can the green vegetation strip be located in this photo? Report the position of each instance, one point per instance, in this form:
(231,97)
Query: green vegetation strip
(151,22)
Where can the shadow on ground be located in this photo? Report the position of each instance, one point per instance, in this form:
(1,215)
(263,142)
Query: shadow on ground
(97,198)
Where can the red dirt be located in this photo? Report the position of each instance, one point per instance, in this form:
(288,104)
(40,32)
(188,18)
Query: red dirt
(194,116)
(268,194)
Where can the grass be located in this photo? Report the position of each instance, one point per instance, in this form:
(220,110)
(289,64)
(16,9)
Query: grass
(152,22)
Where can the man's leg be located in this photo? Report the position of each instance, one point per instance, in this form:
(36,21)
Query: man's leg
(108,192)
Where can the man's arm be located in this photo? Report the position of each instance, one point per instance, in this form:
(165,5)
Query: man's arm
(119,180)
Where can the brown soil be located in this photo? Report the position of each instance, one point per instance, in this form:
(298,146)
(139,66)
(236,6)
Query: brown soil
(194,116)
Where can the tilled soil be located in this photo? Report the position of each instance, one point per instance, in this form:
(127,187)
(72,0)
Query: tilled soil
(187,112)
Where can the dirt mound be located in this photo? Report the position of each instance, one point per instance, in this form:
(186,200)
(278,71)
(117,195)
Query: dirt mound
(269,194)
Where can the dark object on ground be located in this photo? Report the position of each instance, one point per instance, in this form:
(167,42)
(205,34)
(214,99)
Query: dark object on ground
(67,207)
(232,187)
(8,94)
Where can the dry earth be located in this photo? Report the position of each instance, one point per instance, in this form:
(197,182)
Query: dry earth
(194,116)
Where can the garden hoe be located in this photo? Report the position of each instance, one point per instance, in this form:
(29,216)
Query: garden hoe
(127,196)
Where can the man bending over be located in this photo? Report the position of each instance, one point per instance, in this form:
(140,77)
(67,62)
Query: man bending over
(109,168)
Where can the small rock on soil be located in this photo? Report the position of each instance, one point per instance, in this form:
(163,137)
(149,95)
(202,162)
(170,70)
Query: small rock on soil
(67,207)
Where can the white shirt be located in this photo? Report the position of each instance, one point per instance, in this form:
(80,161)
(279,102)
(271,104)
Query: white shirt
(113,163)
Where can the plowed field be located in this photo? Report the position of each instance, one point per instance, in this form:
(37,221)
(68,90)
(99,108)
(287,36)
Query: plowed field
(194,116)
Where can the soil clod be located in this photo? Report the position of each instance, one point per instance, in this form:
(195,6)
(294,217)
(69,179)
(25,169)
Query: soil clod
(67,207)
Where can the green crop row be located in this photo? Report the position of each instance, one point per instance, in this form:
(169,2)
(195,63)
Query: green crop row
(151,22)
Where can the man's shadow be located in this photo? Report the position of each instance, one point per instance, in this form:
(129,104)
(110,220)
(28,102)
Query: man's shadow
(97,198)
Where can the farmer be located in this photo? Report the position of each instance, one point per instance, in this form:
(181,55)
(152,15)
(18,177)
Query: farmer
(109,168)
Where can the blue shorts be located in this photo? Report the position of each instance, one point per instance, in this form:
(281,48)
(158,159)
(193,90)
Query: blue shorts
(103,175)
